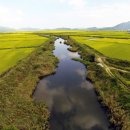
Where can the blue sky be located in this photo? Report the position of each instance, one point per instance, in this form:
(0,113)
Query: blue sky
(63,13)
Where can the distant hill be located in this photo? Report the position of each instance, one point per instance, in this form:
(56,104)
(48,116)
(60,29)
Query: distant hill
(121,27)
(28,29)
(93,28)
(6,29)
(63,29)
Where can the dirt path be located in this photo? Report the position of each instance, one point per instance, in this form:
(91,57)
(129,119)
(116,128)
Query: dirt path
(121,70)
(101,62)
(106,67)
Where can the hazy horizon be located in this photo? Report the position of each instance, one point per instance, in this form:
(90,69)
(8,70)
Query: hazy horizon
(63,13)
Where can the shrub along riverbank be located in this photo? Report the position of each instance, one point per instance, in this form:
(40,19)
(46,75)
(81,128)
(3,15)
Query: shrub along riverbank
(17,108)
(113,95)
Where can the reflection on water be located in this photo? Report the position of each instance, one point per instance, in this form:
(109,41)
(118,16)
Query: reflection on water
(70,97)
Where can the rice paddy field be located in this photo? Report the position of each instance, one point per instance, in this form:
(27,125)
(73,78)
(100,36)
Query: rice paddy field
(15,40)
(16,46)
(84,33)
(110,47)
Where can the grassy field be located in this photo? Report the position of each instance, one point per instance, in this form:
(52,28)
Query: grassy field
(12,48)
(114,48)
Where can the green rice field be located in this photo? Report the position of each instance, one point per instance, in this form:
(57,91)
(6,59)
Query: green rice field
(16,46)
(14,40)
(110,47)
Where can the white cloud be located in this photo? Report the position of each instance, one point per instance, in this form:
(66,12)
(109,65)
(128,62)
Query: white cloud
(65,13)
(77,3)
(99,16)
(10,17)
(74,3)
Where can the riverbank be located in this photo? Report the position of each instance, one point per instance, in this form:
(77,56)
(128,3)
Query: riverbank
(110,92)
(17,108)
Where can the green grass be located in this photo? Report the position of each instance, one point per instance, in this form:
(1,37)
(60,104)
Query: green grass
(113,48)
(10,57)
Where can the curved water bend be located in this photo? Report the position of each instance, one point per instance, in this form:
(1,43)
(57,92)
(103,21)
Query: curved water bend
(70,97)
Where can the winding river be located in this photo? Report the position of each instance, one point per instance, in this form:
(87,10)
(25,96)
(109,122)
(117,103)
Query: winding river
(71,99)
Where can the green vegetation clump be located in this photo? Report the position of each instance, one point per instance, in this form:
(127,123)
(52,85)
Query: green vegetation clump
(17,108)
(125,75)
(122,64)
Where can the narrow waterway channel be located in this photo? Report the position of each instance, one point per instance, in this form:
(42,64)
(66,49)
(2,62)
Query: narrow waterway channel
(71,99)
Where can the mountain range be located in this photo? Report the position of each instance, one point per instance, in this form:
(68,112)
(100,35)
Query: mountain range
(6,29)
(120,27)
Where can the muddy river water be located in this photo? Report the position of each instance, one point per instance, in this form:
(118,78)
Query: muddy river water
(71,99)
